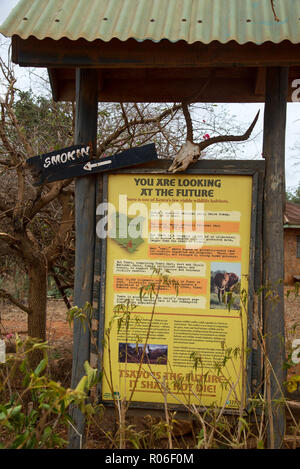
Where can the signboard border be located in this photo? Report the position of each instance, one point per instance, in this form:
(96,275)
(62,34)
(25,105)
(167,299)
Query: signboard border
(253,168)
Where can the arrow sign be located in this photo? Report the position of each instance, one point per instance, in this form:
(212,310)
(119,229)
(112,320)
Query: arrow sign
(89,166)
(72,162)
(53,162)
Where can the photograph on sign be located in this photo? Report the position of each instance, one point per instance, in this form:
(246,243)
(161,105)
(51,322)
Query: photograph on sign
(177,262)
(225,284)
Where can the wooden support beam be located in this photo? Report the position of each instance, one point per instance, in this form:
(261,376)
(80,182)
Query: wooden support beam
(260,82)
(273,255)
(161,90)
(231,84)
(85,213)
(148,54)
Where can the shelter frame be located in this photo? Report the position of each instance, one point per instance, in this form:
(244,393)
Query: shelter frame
(148,71)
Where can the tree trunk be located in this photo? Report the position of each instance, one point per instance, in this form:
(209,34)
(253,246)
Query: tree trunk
(37,303)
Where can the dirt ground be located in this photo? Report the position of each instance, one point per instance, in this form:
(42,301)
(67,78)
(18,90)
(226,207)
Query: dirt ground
(59,336)
(59,333)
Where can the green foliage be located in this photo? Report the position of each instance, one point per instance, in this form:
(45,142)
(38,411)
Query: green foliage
(34,418)
(293,383)
(293,195)
(84,315)
(43,122)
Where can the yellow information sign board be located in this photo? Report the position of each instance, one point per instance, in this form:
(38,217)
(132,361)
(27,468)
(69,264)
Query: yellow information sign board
(177,265)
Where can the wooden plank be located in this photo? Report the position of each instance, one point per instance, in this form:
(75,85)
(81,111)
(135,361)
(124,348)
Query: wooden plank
(176,89)
(213,166)
(101,249)
(250,359)
(64,73)
(54,83)
(260,83)
(128,158)
(259,233)
(163,54)
(273,251)
(257,369)
(172,85)
(50,165)
(167,90)
(85,210)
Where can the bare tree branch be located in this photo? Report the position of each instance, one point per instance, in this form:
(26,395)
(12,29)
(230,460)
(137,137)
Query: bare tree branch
(42,201)
(189,124)
(61,289)
(229,138)
(11,241)
(134,122)
(274,12)
(4,294)
(63,229)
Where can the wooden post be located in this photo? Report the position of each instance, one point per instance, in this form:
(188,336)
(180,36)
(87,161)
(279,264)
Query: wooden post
(273,255)
(85,216)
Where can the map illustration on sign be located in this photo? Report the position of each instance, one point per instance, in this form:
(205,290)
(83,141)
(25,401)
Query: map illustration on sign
(128,242)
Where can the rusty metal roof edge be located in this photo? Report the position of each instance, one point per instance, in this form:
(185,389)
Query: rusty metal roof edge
(153,40)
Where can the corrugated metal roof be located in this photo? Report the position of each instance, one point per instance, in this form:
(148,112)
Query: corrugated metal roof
(292,214)
(189,20)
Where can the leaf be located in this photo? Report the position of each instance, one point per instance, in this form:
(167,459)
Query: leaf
(45,406)
(18,341)
(33,416)
(58,441)
(292,383)
(135,443)
(40,346)
(23,366)
(89,410)
(20,440)
(260,444)
(244,423)
(41,366)
(91,374)
(13,411)
(46,433)
(81,385)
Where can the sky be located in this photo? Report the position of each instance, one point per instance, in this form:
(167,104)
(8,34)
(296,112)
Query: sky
(245,113)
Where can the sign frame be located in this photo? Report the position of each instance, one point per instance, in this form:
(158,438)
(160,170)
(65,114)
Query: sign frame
(253,168)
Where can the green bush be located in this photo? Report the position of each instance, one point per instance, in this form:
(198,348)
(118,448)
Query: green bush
(35,409)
